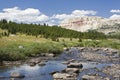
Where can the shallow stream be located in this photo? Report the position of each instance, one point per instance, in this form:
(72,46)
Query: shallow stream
(43,72)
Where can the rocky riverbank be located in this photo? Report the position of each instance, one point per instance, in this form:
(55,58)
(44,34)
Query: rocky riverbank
(96,56)
(81,64)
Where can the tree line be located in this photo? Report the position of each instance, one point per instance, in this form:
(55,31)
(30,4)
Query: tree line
(46,31)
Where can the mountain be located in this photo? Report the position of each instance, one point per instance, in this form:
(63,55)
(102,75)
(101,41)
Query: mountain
(86,23)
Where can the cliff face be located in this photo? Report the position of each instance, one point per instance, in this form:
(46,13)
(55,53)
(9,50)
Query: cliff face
(90,23)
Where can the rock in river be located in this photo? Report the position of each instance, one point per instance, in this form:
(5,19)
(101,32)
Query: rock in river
(72,70)
(16,75)
(93,77)
(32,64)
(75,65)
(64,76)
(42,63)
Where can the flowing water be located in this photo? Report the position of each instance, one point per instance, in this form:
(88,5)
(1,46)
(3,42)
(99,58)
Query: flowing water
(43,72)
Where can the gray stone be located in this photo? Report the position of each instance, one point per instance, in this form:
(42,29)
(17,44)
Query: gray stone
(54,72)
(16,75)
(66,49)
(42,63)
(87,77)
(20,47)
(75,65)
(93,77)
(32,64)
(106,78)
(64,76)
(72,70)
(48,54)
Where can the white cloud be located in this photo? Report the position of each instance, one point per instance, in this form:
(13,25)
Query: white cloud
(84,12)
(29,15)
(115,16)
(75,13)
(61,16)
(115,11)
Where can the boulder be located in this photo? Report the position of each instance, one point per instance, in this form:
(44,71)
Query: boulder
(50,55)
(32,64)
(81,48)
(107,78)
(16,75)
(54,72)
(64,76)
(20,47)
(42,63)
(75,65)
(93,77)
(87,77)
(72,70)
(34,61)
(66,49)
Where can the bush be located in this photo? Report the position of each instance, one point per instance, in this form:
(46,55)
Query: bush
(80,40)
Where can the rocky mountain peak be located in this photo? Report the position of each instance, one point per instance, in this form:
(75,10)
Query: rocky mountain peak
(88,23)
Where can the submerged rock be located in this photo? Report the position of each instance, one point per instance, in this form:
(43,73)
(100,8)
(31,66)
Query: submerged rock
(16,75)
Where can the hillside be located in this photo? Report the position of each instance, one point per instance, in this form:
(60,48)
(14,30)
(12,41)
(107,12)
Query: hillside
(51,32)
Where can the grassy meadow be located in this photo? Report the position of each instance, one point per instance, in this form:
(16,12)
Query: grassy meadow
(16,47)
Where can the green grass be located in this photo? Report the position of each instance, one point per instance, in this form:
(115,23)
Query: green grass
(110,43)
(32,46)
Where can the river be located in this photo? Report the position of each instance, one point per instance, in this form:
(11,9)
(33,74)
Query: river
(43,72)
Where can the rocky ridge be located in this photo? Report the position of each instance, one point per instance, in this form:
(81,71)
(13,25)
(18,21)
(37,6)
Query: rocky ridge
(90,23)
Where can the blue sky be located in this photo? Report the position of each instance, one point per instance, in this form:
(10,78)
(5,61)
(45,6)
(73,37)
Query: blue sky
(50,8)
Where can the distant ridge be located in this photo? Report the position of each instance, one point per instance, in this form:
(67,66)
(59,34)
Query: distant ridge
(86,23)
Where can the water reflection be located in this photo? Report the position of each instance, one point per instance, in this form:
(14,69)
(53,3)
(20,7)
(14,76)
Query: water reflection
(30,68)
(34,73)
